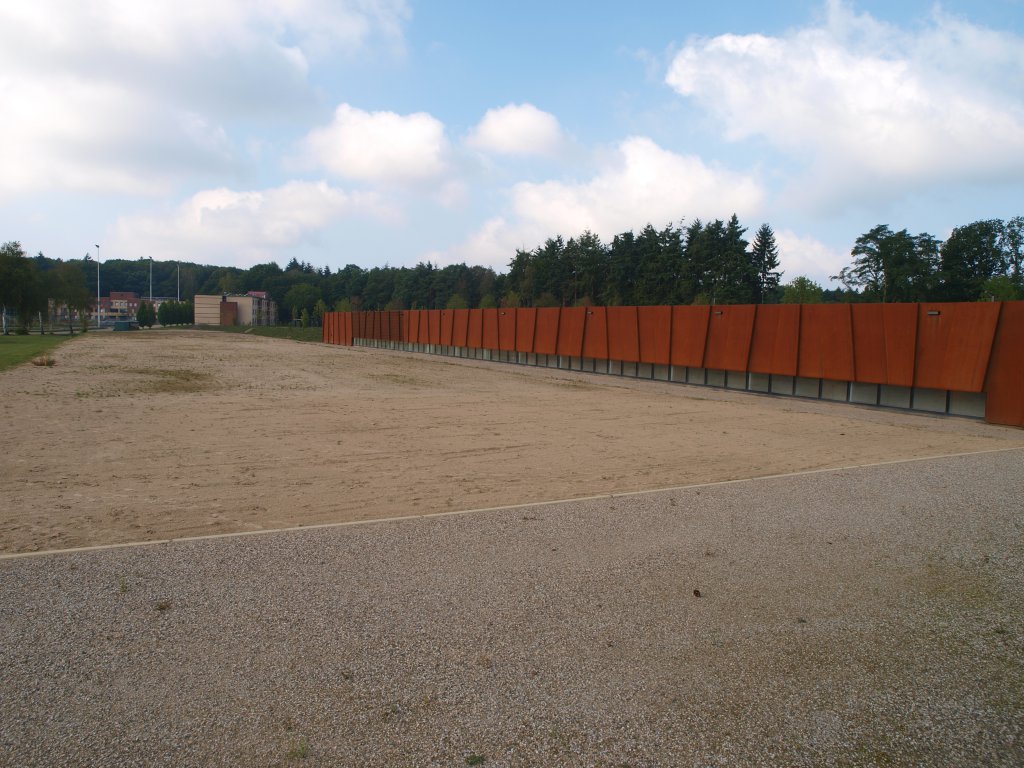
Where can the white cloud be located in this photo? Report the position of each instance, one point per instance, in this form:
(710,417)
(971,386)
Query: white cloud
(868,106)
(642,183)
(639,183)
(241,227)
(802,255)
(517,129)
(380,146)
(130,97)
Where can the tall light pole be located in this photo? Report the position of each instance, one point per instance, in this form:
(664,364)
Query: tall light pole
(179,281)
(151,280)
(99,306)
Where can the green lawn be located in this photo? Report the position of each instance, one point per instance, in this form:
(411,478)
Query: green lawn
(270,331)
(17,349)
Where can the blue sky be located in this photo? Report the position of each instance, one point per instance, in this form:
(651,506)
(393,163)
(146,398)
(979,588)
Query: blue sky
(394,131)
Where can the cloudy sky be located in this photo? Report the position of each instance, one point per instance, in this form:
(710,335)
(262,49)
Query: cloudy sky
(398,131)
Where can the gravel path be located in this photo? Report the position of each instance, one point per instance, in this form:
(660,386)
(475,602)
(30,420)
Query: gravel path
(854,617)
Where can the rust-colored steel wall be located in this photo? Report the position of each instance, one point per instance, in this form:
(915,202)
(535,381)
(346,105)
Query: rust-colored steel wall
(900,343)
(570,331)
(655,332)
(475,334)
(507,329)
(958,347)
(595,333)
(545,340)
(490,329)
(460,328)
(526,325)
(730,329)
(775,342)
(1004,402)
(414,326)
(884,343)
(689,335)
(447,327)
(826,342)
(434,326)
(623,334)
(954,342)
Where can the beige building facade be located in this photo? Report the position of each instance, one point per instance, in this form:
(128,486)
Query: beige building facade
(254,308)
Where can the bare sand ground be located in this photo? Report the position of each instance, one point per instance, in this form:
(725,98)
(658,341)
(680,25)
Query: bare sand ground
(155,435)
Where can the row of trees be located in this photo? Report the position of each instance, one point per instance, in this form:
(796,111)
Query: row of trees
(702,262)
(978,261)
(28,291)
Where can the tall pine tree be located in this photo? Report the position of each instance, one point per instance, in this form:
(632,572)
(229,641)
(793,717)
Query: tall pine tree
(764,255)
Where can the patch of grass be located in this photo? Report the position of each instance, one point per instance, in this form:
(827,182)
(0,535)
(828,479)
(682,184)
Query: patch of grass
(171,380)
(163,605)
(270,331)
(476,760)
(15,350)
(395,378)
(299,750)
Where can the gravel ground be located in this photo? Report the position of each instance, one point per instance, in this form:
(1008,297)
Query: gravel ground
(872,616)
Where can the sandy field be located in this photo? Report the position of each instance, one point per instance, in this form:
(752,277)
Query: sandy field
(869,615)
(158,435)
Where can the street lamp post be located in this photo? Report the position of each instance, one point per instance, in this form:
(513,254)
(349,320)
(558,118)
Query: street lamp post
(99,305)
(151,280)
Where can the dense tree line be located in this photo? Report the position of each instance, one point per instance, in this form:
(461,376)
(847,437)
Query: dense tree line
(701,262)
(979,261)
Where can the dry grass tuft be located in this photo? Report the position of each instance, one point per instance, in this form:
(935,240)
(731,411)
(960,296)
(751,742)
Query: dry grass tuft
(44,360)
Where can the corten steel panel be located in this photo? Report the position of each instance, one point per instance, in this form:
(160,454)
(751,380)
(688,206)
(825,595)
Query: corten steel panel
(953,346)
(869,342)
(337,326)
(570,331)
(396,326)
(447,327)
(326,336)
(434,326)
(884,341)
(776,339)
(690,335)
(414,326)
(1004,387)
(595,335)
(424,332)
(373,322)
(460,328)
(490,329)
(826,342)
(348,329)
(623,334)
(475,333)
(507,329)
(406,317)
(730,329)
(900,343)
(655,326)
(545,340)
(526,325)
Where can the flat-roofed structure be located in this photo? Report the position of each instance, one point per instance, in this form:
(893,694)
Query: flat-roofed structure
(252,308)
